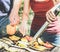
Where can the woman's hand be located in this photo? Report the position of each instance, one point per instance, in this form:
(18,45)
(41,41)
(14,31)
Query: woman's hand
(50,16)
(14,19)
(54,27)
(52,19)
(23,28)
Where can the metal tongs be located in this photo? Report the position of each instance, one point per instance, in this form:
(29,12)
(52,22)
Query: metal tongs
(40,31)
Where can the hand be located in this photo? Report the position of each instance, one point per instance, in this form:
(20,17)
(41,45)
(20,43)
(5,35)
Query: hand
(29,38)
(14,19)
(54,27)
(23,28)
(50,16)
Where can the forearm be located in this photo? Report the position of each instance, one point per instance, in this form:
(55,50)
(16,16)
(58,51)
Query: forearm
(25,16)
(14,17)
(26,10)
(16,6)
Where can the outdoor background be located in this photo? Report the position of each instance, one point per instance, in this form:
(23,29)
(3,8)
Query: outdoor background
(31,14)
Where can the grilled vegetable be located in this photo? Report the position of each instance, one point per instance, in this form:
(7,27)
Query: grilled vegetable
(29,38)
(7,39)
(14,38)
(48,45)
(41,48)
(10,29)
(13,49)
(22,44)
(24,39)
(40,41)
(35,43)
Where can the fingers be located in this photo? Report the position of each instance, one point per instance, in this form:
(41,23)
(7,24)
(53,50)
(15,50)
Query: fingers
(23,28)
(22,31)
(51,30)
(53,24)
(50,16)
(14,21)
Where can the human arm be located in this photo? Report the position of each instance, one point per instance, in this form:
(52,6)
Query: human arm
(54,21)
(50,15)
(14,17)
(23,26)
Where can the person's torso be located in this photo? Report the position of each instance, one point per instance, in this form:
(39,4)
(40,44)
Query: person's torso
(41,6)
(40,9)
(5,7)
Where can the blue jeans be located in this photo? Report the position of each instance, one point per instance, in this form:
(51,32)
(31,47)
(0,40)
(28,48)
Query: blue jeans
(3,22)
(52,38)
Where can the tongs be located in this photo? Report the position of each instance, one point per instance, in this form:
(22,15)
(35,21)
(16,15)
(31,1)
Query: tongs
(40,31)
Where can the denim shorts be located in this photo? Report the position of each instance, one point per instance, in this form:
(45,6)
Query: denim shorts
(3,22)
(52,38)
